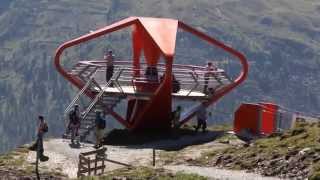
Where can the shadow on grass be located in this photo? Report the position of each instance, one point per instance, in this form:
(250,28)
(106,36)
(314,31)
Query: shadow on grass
(164,140)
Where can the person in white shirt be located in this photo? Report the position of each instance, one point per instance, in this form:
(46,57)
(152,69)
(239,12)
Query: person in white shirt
(210,68)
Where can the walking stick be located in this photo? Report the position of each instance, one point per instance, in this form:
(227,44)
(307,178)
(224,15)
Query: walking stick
(37,159)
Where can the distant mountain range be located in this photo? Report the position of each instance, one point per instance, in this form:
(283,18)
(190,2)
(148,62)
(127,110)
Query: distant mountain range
(281,39)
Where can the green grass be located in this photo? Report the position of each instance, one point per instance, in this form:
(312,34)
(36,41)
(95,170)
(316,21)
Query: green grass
(14,158)
(16,161)
(168,157)
(303,135)
(139,173)
(221,127)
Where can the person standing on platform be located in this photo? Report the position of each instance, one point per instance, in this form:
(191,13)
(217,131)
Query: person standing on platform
(209,71)
(109,58)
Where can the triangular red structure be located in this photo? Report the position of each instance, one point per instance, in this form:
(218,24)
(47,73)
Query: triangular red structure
(163,32)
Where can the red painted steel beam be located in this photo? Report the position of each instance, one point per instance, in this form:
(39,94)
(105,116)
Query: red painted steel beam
(167,49)
(75,81)
(155,37)
(242,76)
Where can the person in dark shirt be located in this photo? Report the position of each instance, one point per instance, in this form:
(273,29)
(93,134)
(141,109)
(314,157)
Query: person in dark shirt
(109,58)
(176,117)
(74,122)
(201,118)
(38,145)
(100,125)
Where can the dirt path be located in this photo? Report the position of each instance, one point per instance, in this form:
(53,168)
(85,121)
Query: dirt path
(63,158)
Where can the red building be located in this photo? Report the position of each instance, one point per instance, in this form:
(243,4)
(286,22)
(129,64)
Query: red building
(258,119)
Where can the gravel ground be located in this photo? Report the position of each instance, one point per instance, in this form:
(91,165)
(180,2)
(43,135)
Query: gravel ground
(65,159)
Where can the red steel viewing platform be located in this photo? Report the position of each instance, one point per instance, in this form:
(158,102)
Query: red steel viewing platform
(148,96)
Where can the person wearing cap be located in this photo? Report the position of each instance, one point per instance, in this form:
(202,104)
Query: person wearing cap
(208,72)
(74,122)
(100,125)
(109,58)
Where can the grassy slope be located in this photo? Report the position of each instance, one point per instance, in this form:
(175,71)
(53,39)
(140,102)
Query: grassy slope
(294,153)
(14,165)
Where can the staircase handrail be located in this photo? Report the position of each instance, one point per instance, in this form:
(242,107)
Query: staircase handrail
(98,96)
(190,110)
(76,98)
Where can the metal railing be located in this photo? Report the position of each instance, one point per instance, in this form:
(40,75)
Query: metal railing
(81,92)
(76,98)
(191,78)
(99,95)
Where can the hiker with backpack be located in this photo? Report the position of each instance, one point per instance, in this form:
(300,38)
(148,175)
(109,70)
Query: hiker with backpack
(74,122)
(100,125)
(38,145)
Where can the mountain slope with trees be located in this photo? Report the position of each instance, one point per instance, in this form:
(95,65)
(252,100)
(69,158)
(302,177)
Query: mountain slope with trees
(281,39)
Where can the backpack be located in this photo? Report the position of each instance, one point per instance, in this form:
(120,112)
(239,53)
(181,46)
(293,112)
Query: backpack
(102,124)
(73,117)
(175,86)
(45,127)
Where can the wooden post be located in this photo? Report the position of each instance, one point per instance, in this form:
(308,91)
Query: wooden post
(79,166)
(105,156)
(153,157)
(85,167)
(95,164)
(89,168)
(103,164)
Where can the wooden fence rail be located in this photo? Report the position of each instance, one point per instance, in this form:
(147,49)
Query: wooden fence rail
(92,162)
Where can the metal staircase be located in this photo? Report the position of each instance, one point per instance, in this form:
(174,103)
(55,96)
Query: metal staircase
(89,114)
(101,101)
(192,80)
